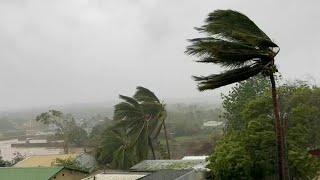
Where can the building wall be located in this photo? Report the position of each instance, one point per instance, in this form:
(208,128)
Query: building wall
(67,174)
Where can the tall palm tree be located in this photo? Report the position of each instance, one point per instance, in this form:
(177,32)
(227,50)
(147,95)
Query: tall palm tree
(145,95)
(138,123)
(236,43)
(142,116)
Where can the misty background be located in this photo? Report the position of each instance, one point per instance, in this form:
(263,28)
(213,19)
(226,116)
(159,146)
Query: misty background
(89,51)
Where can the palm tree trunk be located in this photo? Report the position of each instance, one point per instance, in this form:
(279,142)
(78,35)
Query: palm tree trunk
(151,147)
(283,173)
(166,136)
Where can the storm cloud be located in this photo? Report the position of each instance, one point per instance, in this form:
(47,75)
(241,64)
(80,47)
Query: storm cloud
(67,51)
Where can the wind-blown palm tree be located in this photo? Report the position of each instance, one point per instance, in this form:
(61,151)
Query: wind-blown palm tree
(145,95)
(138,124)
(236,43)
(143,117)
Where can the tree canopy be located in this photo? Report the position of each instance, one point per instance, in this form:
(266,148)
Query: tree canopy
(65,127)
(248,147)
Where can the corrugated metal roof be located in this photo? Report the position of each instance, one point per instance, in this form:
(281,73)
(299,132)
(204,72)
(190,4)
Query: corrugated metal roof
(155,165)
(116,176)
(29,173)
(165,174)
(194,157)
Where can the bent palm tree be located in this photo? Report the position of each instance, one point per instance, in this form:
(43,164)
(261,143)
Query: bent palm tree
(145,95)
(138,124)
(142,116)
(236,43)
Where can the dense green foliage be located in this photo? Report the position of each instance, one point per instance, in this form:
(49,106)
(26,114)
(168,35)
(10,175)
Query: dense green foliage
(71,163)
(97,131)
(65,127)
(248,149)
(238,95)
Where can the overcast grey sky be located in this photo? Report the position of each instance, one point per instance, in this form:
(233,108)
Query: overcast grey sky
(67,51)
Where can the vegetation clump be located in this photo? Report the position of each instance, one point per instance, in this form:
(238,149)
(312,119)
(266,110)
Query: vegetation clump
(248,147)
(65,127)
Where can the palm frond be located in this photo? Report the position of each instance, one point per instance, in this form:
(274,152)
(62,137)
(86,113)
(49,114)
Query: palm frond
(123,158)
(129,100)
(235,25)
(151,109)
(116,148)
(228,77)
(225,53)
(162,117)
(128,124)
(142,144)
(124,110)
(233,41)
(135,128)
(113,139)
(144,94)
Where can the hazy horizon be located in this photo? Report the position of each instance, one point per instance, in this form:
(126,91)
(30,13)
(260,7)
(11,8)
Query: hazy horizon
(86,51)
(214,100)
